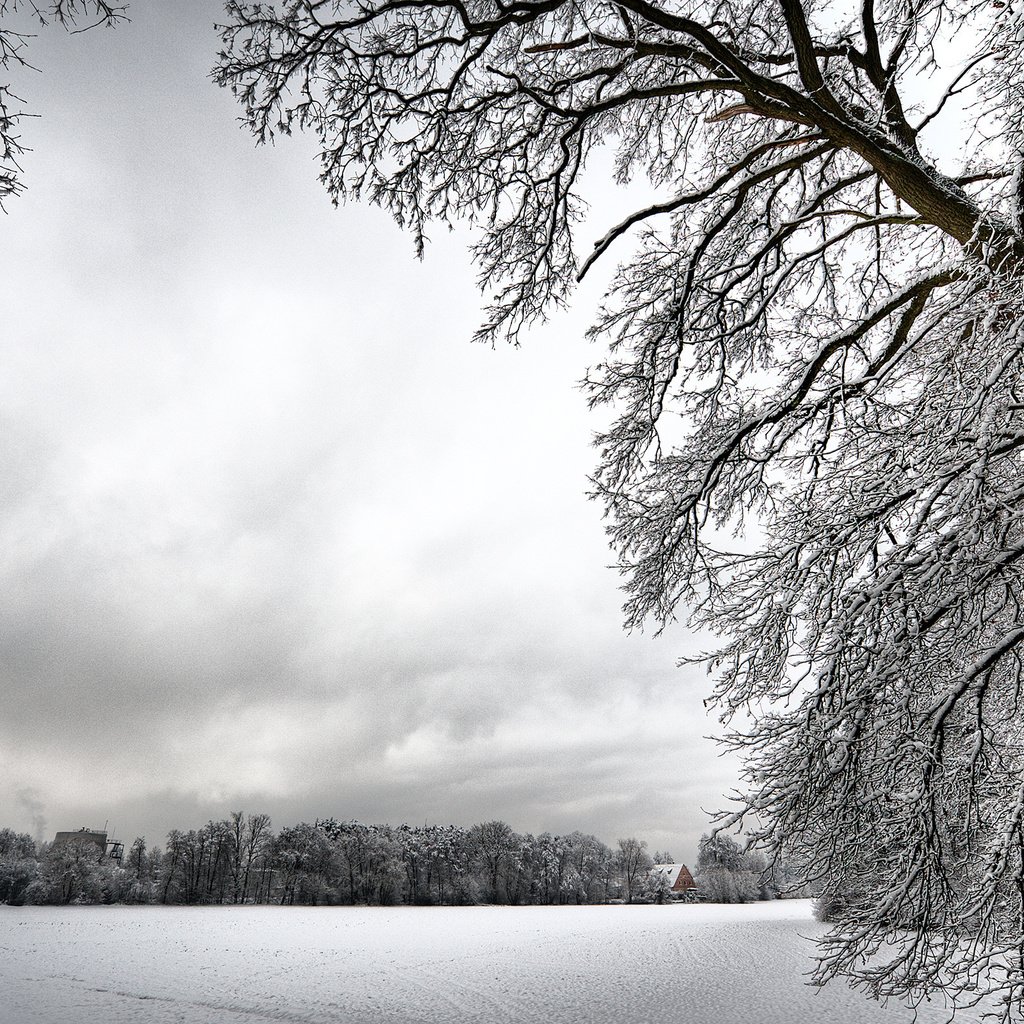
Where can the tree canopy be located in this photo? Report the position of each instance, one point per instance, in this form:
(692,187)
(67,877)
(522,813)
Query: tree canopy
(813,369)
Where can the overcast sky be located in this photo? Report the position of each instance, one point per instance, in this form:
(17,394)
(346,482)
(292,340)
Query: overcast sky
(275,535)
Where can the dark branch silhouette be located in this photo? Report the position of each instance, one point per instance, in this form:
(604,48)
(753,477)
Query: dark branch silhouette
(814,337)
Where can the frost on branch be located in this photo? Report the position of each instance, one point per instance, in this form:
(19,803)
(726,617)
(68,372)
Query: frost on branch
(815,334)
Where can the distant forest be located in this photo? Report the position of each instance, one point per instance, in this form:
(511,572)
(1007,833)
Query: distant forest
(241,860)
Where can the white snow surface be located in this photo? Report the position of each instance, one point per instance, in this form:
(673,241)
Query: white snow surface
(685,964)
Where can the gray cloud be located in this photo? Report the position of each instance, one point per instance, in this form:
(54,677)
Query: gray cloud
(274,534)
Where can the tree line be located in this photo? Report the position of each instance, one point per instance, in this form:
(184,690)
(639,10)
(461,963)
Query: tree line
(241,860)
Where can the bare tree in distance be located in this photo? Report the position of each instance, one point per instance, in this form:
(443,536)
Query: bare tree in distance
(816,331)
(634,864)
(18,21)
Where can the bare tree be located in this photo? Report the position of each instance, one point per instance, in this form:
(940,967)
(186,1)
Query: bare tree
(814,343)
(633,863)
(495,848)
(18,20)
(725,873)
(250,837)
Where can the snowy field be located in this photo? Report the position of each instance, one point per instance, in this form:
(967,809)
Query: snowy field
(556,965)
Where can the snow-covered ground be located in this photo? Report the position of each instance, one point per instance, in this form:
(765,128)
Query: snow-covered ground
(550,965)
